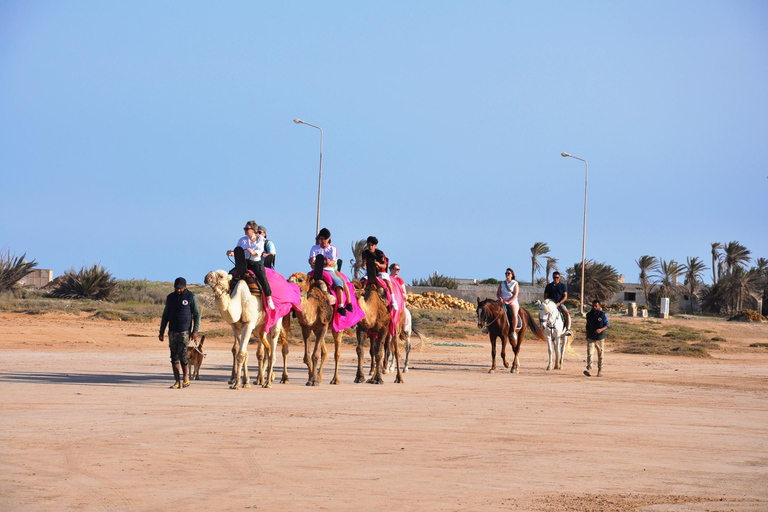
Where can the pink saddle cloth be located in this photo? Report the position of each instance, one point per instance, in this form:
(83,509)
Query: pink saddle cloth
(394,314)
(285,295)
(341,322)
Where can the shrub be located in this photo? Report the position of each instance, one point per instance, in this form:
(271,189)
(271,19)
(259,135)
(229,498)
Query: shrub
(490,280)
(87,283)
(13,269)
(437,281)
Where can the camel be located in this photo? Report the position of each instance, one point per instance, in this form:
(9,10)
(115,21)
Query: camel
(376,325)
(245,313)
(316,319)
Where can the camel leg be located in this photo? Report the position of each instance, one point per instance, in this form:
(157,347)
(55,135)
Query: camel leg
(493,354)
(285,380)
(306,333)
(234,357)
(371,349)
(323,357)
(336,356)
(272,338)
(379,349)
(316,356)
(386,364)
(360,377)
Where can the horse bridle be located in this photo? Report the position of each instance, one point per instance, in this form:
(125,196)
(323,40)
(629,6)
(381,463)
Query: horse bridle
(488,324)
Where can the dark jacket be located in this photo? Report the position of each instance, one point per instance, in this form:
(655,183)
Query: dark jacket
(180,313)
(596,319)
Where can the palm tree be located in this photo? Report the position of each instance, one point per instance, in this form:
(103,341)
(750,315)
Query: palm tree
(736,255)
(538,249)
(669,272)
(550,266)
(357,262)
(716,246)
(694,270)
(648,265)
(601,281)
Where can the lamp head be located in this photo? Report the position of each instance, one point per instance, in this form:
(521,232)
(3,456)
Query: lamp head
(298,121)
(564,154)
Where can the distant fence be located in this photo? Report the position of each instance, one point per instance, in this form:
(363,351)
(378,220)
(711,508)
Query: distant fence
(471,292)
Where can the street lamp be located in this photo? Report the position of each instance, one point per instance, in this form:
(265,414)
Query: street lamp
(584,235)
(320,175)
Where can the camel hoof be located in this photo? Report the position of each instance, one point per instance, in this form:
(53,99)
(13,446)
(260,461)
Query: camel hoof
(247,385)
(515,370)
(405,370)
(335,382)
(284,381)
(549,368)
(359,379)
(399,380)
(492,370)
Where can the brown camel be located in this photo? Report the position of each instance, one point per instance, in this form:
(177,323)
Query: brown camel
(373,301)
(316,318)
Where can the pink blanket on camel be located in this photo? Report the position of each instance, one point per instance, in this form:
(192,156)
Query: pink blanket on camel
(351,318)
(285,295)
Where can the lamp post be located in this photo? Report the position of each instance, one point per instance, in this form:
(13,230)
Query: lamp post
(584,234)
(320,174)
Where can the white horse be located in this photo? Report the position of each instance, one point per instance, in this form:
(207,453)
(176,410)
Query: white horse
(554,328)
(405,335)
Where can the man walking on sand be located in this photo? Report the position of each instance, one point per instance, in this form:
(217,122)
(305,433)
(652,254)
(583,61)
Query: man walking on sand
(597,324)
(182,316)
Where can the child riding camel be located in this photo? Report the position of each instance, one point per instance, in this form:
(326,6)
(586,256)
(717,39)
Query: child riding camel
(381,261)
(323,247)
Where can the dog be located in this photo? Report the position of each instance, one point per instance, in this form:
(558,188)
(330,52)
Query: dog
(195,356)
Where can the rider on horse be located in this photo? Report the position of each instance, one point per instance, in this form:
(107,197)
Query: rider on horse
(557,292)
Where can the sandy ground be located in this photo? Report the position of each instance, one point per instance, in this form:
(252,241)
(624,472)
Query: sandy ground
(87,422)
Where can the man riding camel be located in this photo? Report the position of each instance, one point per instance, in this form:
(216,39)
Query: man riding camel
(557,292)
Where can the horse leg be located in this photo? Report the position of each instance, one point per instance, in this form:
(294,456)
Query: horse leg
(407,352)
(504,340)
(336,356)
(493,354)
(360,337)
(550,348)
(396,350)
(516,361)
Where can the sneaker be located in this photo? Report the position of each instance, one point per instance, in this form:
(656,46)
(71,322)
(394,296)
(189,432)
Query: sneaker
(270,304)
(568,332)
(586,372)
(341,311)
(484,330)
(348,307)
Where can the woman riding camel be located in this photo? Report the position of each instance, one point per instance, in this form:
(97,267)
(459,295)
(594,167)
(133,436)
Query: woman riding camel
(329,252)
(252,245)
(507,293)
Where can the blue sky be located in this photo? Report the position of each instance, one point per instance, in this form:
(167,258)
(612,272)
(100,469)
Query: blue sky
(142,135)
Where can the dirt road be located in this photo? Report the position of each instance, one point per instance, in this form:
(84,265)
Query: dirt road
(87,422)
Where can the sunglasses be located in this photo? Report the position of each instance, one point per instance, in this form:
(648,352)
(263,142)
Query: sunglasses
(247,229)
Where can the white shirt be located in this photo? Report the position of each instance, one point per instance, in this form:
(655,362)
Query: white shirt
(257,245)
(508,289)
(328,252)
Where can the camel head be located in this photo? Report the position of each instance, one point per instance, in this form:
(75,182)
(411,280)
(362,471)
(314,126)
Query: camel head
(218,280)
(300,279)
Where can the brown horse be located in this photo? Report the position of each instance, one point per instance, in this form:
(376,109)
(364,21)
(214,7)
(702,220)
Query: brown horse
(491,316)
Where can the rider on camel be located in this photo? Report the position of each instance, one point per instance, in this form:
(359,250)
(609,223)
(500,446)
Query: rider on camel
(329,252)
(381,261)
(557,292)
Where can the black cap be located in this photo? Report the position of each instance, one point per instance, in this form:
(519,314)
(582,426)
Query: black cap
(180,283)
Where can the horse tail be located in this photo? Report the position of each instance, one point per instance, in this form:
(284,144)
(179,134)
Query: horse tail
(568,349)
(533,326)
